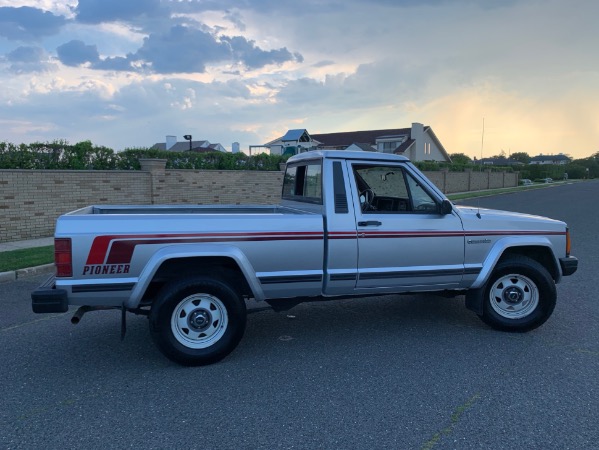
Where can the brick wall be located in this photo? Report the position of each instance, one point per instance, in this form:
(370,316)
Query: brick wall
(232,187)
(31,200)
(452,182)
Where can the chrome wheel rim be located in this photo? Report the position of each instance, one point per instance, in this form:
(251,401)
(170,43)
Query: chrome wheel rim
(514,296)
(199,321)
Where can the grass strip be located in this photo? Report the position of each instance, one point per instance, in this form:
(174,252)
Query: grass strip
(474,194)
(26,257)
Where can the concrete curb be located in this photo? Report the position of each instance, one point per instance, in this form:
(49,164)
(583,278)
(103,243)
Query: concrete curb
(13,275)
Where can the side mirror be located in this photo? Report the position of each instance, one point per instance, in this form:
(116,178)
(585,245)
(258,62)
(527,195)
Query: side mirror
(446,207)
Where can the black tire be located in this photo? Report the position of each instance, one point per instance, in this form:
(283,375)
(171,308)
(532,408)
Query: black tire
(519,296)
(197,320)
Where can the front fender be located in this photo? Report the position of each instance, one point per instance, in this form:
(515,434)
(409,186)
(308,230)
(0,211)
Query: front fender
(510,242)
(193,251)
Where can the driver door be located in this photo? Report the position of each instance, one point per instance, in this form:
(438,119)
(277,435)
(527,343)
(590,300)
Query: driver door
(404,242)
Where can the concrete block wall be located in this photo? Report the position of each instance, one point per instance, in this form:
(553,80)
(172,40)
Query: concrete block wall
(479,181)
(31,200)
(457,182)
(228,187)
(496,180)
(437,177)
(452,182)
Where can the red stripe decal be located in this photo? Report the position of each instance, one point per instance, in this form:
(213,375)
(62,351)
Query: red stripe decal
(121,250)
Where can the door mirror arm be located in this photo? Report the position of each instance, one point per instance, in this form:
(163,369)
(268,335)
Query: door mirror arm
(446,207)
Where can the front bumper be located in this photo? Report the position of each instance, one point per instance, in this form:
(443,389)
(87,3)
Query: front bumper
(47,299)
(569,265)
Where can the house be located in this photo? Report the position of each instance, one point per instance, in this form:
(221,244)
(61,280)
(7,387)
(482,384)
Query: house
(560,159)
(418,143)
(498,161)
(294,141)
(172,145)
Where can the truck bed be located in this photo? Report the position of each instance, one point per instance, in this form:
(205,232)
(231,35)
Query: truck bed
(186,209)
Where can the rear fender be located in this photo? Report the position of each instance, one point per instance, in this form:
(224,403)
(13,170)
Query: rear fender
(193,251)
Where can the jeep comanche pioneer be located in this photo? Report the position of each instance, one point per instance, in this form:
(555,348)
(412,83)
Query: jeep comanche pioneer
(348,224)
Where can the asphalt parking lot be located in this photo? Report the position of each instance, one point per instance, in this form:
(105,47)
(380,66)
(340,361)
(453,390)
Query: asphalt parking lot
(400,372)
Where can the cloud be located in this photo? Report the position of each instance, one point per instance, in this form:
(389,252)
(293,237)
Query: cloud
(254,57)
(28,24)
(75,53)
(29,60)
(188,50)
(182,49)
(98,11)
(235,18)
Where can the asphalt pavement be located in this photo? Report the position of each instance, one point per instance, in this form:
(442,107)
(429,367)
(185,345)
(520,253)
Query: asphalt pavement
(397,372)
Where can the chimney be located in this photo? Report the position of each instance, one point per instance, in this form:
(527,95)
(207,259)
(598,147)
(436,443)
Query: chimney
(417,134)
(170,141)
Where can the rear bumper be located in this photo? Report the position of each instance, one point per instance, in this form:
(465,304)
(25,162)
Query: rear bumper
(569,265)
(48,299)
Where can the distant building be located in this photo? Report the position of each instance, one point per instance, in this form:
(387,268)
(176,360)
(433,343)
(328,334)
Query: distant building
(294,141)
(499,161)
(560,159)
(202,146)
(418,143)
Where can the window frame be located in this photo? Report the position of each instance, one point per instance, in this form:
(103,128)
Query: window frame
(300,197)
(355,167)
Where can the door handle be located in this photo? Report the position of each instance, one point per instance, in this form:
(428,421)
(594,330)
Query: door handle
(370,223)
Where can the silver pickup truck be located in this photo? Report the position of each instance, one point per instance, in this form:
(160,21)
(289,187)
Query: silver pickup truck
(348,224)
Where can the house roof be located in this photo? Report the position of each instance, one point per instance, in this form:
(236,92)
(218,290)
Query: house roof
(501,161)
(300,135)
(349,137)
(196,146)
(550,158)
(364,147)
(404,146)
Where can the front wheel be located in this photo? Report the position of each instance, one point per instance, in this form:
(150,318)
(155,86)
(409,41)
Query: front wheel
(197,320)
(520,295)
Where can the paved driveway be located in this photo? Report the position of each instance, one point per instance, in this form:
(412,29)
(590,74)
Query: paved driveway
(388,372)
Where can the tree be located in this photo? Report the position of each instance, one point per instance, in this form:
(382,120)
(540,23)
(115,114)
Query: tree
(460,158)
(522,157)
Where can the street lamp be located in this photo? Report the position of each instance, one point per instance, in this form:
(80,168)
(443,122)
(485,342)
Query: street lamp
(187,137)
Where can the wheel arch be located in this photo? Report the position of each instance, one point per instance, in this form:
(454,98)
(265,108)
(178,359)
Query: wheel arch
(541,254)
(538,248)
(170,263)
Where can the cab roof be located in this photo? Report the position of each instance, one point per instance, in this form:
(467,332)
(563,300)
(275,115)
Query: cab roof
(342,154)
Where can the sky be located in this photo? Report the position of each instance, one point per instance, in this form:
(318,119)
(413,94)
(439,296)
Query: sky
(125,74)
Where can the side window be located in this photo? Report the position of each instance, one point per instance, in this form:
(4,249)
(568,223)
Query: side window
(303,183)
(421,200)
(390,190)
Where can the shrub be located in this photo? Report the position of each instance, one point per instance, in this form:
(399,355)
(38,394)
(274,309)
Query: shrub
(86,156)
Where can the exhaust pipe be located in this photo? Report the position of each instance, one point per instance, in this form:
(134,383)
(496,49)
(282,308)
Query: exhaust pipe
(85,309)
(79,314)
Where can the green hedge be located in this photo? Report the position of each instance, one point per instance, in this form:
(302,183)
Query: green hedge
(432,166)
(86,156)
(60,155)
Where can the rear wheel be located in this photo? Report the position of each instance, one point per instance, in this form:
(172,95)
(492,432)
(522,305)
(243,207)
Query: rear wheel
(520,295)
(197,320)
